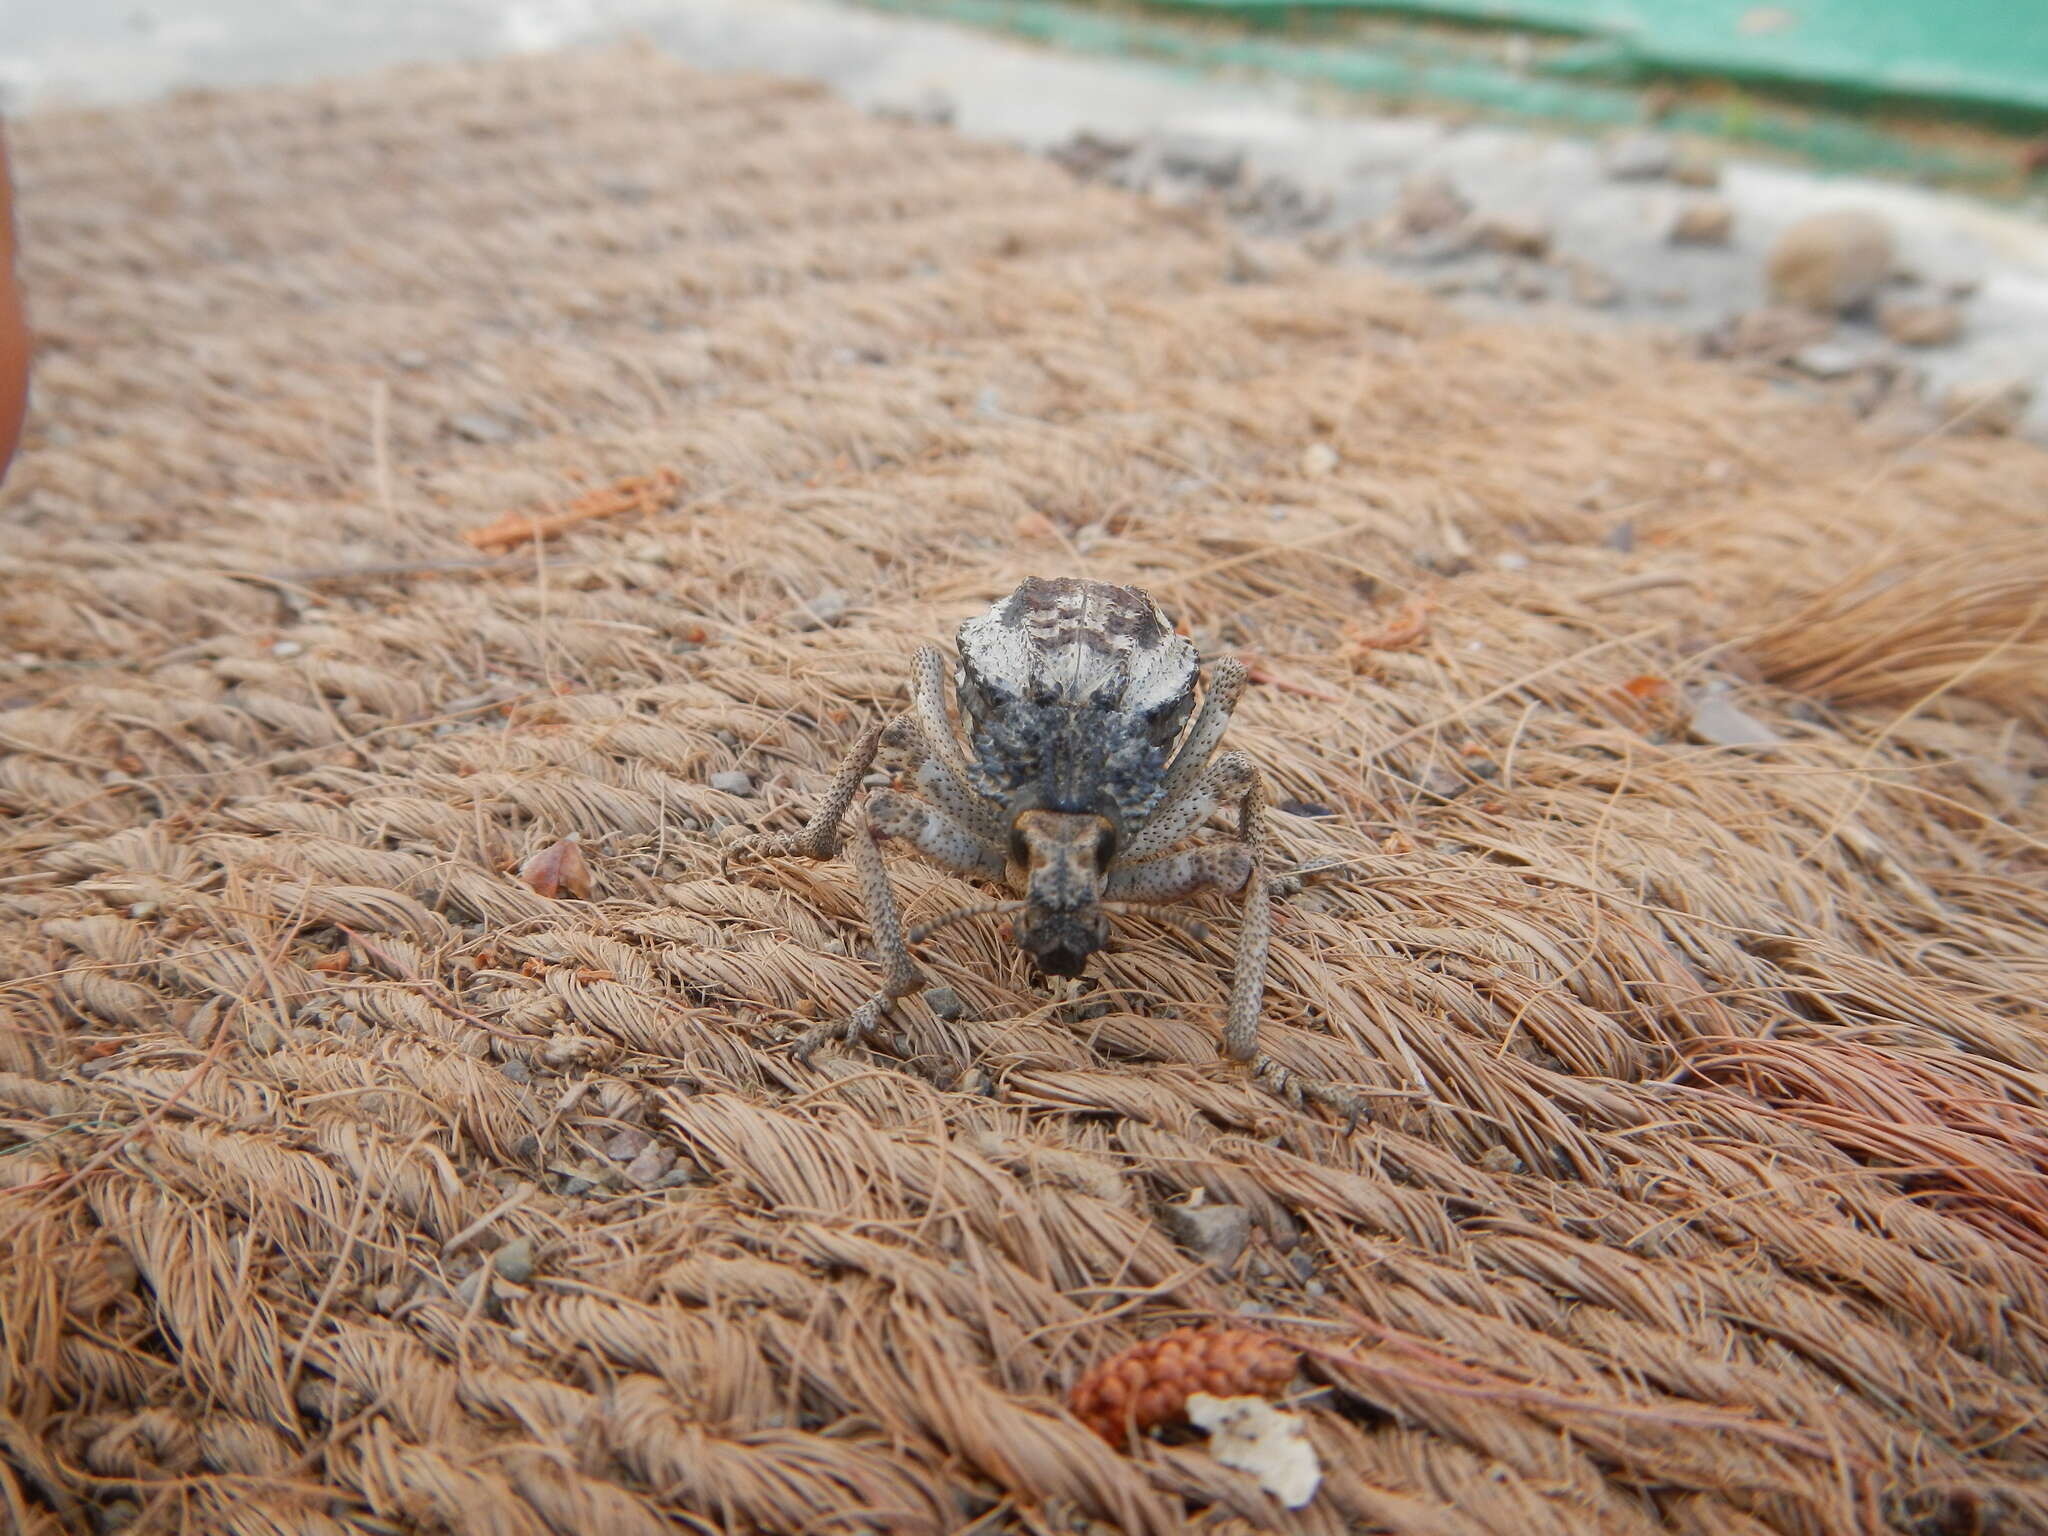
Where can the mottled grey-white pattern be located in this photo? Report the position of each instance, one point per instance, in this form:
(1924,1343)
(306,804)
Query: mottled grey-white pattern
(1072,693)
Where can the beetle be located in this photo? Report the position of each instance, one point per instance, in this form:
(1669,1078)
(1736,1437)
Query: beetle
(1078,787)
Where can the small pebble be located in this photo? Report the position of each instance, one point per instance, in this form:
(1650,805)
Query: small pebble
(411,361)
(628,1144)
(1441,785)
(733,782)
(1515,236)
(651,1166)
(514,1261)
(1593,287)
(517,1070)
(1318,459)
(1833,359)
(284,650)
(824,610)
(1993,406)
(1920,324)
(481,428)
(1217,1233)
(1831,262)
(1694,167)
(1703,221)
(944,1002)
(1215,161)
(1430,202)
(1640,157)
(1718,723)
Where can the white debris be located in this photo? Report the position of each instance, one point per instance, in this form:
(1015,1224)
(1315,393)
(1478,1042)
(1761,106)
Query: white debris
(1251,1435)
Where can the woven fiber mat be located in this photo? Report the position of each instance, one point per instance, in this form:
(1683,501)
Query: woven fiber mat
(1674,739)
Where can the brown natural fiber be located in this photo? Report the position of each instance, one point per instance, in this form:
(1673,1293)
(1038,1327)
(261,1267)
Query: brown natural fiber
(351,1183)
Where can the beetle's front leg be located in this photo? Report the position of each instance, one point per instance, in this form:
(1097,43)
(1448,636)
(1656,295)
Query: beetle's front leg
(930,830)
(900,975)
(1230,867)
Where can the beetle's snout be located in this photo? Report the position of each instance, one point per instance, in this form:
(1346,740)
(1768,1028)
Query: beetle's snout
(1059,943)
(1063,859)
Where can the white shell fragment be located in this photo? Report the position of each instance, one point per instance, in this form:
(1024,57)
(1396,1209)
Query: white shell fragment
(1251,1435)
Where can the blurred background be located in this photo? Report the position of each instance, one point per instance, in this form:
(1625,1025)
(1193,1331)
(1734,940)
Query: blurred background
(1604,161)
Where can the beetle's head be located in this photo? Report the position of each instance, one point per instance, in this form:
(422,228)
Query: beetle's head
(1063,858)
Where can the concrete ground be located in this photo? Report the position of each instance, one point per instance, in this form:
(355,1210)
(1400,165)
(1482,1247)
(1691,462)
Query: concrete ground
(1348,169)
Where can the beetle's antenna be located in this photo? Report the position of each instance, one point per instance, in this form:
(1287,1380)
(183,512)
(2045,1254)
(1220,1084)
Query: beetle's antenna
(1193,927)
(924,931)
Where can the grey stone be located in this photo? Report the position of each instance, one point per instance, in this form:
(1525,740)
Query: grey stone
(944,1002)
(1593,287)
(478,427)
(1834,359)
(733,782)
(1717,722)
(514,1261)
(823,610)
(474,1288)
(1215,1233)
(628,1144)
(1217,162)
(1640,157)
(651,1166)
(1430,202)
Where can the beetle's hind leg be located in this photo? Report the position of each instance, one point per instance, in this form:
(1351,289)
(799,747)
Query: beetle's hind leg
(818,838)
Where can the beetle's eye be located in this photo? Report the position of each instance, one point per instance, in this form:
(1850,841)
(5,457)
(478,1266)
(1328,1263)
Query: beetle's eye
(1105,847)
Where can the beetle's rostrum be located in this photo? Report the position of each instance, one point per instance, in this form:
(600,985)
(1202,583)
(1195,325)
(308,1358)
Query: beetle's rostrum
(1086,771)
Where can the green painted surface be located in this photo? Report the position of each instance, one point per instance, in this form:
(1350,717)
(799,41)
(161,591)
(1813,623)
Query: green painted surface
(1987,54)
(1425,73)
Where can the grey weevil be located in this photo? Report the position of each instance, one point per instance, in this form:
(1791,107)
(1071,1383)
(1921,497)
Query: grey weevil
(1078,790)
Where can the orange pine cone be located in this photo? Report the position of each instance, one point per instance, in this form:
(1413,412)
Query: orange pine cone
(1149,1384)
